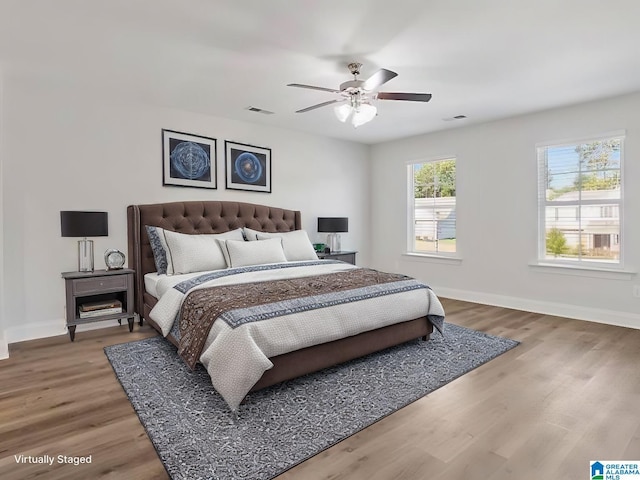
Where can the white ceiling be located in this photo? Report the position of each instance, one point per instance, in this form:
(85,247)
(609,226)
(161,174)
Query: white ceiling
(486,59)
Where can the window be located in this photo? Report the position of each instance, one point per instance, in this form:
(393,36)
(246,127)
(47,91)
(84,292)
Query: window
(432,207)
(580,201)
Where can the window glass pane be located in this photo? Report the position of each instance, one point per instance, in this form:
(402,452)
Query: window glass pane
(600,169)
(561,243)
(588,232)
(592,166)
(600,229)
(587,176)
(600,155)
(434,207)
(563,187)
(600,185)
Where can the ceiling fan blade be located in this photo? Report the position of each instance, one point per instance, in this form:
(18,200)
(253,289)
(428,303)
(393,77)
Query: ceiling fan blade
(313,107)
(382,76)
(411,97)
(311,87)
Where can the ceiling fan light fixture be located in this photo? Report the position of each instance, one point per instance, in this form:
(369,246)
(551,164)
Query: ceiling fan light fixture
(363,114)
(357,96)
(343,111)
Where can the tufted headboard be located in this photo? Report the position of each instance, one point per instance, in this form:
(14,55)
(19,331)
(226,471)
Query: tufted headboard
(194,218)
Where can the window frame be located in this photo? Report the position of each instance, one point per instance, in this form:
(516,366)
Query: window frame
(543,203)
(411,210)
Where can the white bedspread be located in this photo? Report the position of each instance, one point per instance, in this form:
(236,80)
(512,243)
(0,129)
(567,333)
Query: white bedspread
(157,284)
(236,358)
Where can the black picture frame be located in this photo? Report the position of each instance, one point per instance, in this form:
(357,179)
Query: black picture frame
(247,167)
(188,160)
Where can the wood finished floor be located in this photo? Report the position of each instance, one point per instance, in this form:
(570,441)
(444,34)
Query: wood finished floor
(568,394)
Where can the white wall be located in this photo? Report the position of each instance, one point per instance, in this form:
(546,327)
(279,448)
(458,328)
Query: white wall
(4,348)
(68,149)
(496,165)
(74,150)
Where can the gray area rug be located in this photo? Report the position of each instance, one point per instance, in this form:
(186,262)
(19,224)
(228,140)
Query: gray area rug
(281,426)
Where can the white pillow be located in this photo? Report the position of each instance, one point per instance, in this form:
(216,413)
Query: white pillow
(250,234)
(198,253)
(296,244)
(242,254)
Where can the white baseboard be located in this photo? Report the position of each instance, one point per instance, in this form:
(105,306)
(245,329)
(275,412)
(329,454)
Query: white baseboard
(51,328)
(4,346)
(608,317)
(32,331)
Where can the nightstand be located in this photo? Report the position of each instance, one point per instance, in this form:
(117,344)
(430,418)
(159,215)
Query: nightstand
(349,257)
(98,286)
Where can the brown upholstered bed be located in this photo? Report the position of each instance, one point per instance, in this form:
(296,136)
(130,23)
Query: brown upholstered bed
(218,217)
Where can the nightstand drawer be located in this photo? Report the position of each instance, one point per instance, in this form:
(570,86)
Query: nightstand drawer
(99,284)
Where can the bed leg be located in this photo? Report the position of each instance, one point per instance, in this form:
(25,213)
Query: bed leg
(426,337)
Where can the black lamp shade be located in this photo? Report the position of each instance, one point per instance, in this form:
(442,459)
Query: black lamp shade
(84,224)
(333,224)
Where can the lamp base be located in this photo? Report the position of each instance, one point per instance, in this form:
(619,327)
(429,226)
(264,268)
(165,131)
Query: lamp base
(85,255)
(333,242)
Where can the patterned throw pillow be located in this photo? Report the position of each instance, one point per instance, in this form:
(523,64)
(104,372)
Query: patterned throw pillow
(161,254)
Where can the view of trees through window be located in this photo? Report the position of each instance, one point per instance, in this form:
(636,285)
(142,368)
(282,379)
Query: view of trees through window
(580,197)
(433,216)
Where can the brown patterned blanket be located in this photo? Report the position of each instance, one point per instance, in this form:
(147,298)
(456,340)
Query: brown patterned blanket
(203,307)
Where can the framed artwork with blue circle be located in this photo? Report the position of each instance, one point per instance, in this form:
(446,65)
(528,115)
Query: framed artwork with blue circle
(188,160)
(247,167)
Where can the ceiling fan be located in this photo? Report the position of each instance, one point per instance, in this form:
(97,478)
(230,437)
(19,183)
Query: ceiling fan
(356,96)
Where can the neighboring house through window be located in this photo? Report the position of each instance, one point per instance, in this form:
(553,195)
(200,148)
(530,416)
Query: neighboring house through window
(432,207)
(580,201)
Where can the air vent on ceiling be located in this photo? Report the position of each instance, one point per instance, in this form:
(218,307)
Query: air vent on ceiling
(260,110)
(457,117)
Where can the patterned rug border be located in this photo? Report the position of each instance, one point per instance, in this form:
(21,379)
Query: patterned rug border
(252,410)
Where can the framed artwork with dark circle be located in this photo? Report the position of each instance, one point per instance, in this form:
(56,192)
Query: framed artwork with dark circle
(247,167)
(188,160)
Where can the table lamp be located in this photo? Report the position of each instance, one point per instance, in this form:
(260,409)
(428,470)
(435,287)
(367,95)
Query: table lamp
(84,224)
(333,226)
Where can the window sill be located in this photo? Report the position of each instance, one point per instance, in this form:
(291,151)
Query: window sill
(434,258)
(584,271)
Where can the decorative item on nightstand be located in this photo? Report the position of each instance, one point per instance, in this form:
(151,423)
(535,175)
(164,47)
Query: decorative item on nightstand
(114,259)
(84,224)
(319,247)
(333,226)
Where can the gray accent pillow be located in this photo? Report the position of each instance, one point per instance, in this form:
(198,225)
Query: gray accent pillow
(161,255)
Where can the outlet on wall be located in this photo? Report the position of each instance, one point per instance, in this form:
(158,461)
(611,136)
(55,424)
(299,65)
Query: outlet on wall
(636,291)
